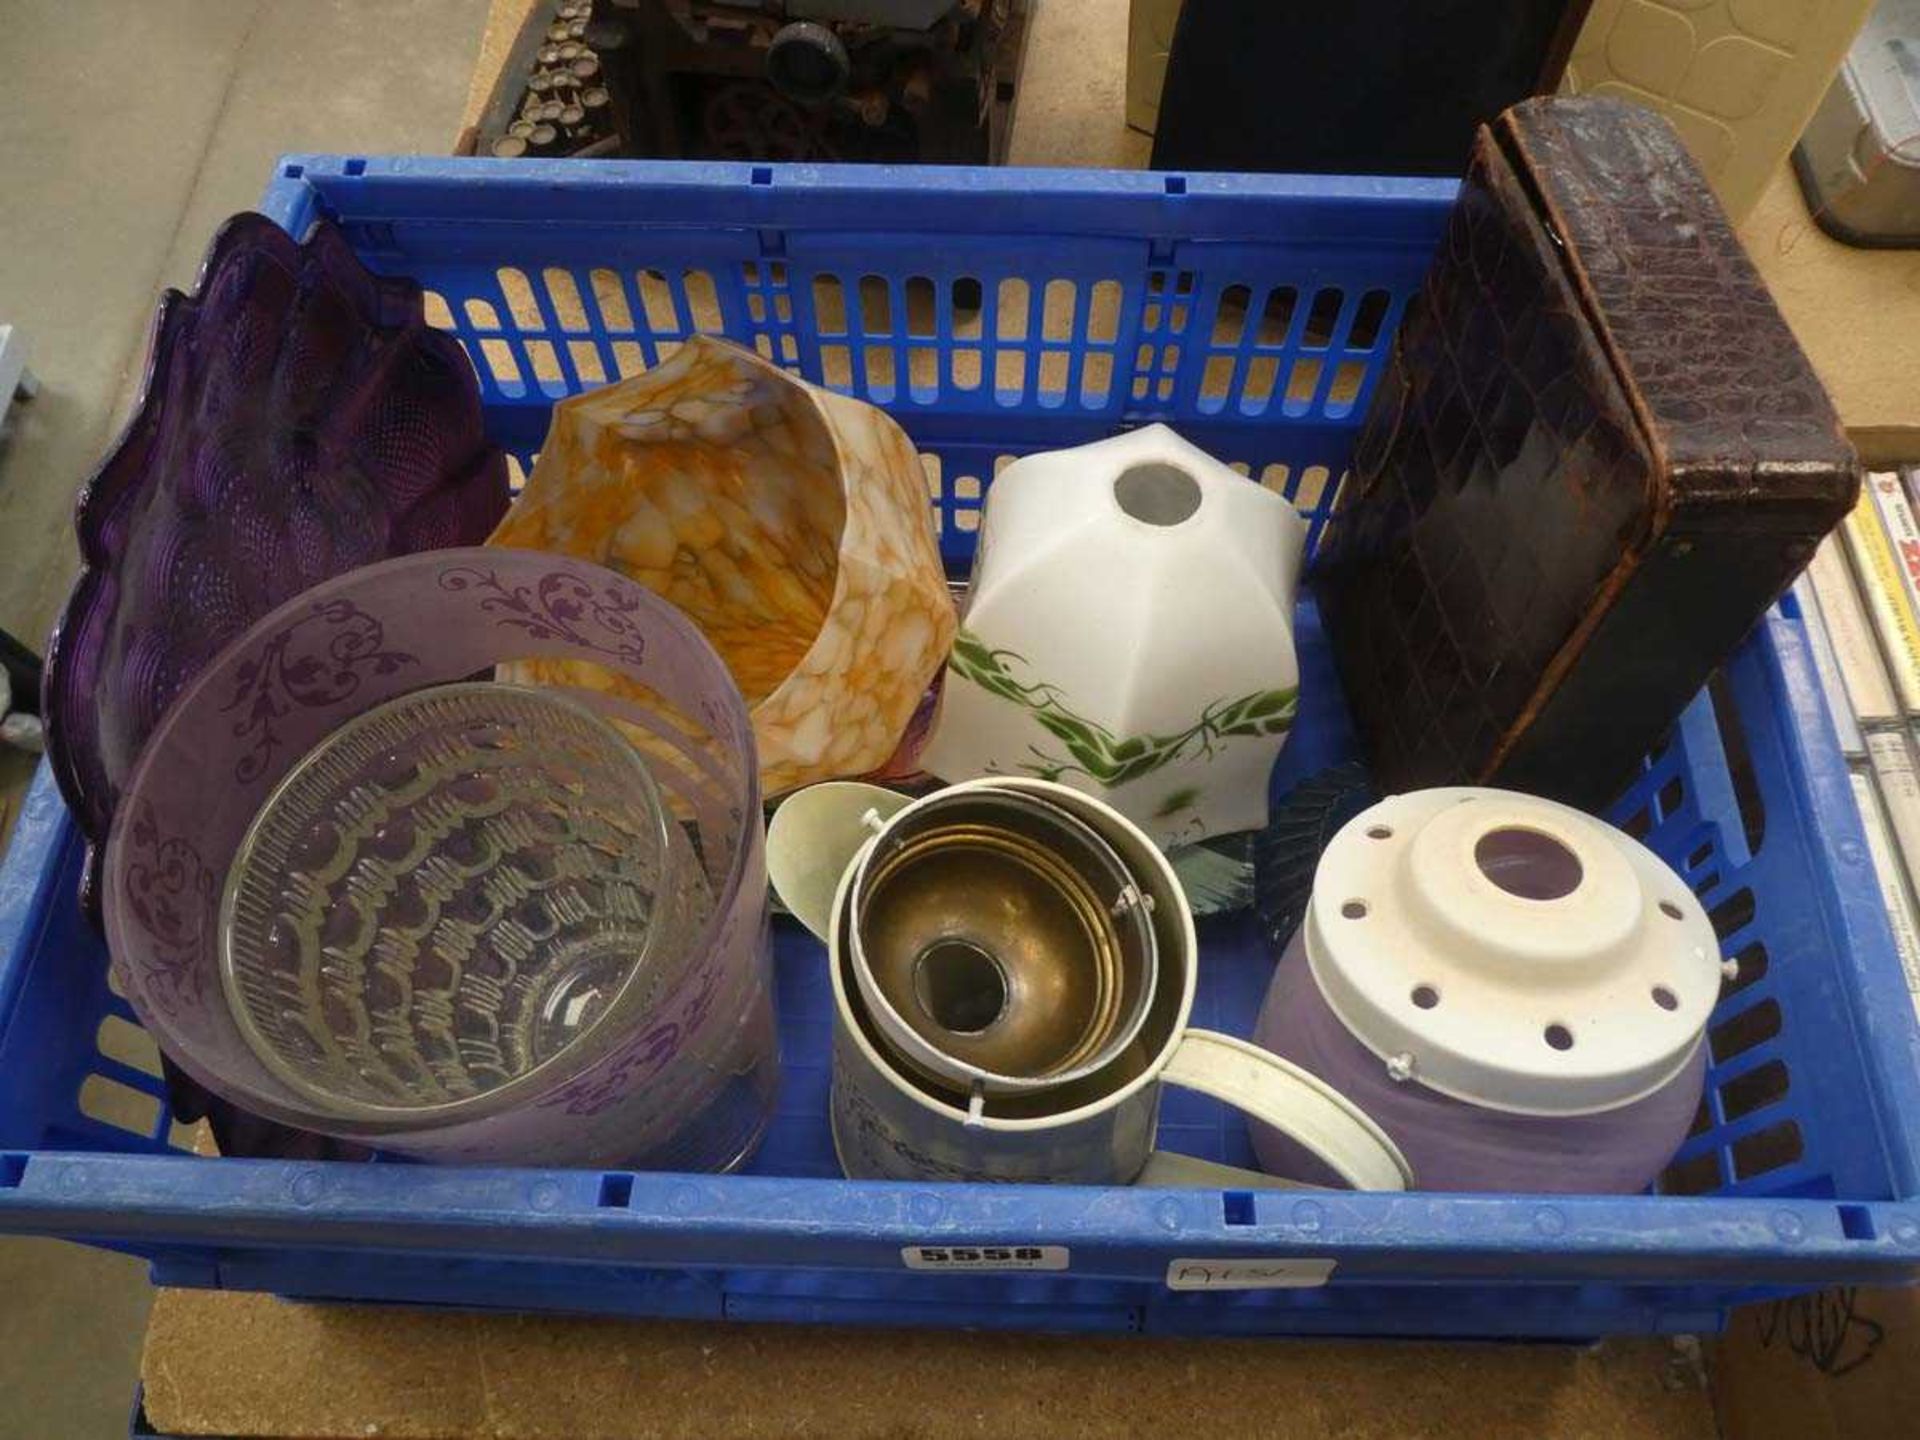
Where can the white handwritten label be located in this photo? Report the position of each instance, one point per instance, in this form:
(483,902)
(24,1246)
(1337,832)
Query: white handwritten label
(1224,1274)
(984,1257)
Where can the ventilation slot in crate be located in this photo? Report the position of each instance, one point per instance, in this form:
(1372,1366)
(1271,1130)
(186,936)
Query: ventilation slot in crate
(552,332)
(922,339)
(122,1092)
(1267,351)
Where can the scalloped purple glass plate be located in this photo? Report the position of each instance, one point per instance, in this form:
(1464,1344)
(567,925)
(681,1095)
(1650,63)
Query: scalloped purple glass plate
(298,419)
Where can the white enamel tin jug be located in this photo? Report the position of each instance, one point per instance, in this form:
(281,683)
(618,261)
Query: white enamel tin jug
(895,1117)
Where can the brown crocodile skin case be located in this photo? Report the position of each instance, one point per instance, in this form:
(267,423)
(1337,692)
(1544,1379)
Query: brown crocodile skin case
(1597,457)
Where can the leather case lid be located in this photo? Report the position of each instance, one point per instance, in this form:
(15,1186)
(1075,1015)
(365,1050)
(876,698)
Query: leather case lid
(1725,398)
(1598,455)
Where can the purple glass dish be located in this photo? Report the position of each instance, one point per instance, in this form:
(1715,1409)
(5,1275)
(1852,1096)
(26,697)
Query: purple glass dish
(298,419)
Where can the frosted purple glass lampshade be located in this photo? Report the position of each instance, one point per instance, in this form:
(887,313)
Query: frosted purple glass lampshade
(680,1068)
(1514,991)
(1451,1144)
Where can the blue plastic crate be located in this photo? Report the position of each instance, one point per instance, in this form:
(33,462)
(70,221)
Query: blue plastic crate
(998,312)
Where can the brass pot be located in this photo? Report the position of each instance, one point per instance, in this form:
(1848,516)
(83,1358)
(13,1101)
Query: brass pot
(1000,944)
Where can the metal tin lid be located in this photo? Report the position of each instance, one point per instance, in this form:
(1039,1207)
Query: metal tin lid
(1511,952)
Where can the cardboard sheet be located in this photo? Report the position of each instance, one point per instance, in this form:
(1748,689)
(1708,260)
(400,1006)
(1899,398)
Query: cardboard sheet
(253,1365)
(1855,312)
(1837,1365)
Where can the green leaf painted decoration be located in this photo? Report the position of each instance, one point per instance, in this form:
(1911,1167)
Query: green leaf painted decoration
(1095,751)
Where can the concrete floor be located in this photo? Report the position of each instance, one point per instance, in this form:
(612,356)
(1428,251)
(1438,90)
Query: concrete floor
(128,130)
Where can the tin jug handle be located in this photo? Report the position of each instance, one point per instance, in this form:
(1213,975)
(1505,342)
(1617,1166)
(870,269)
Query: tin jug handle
(815,835)
(1170,1170)
(1300,1105)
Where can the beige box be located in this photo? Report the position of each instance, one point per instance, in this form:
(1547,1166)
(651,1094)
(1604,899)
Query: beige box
(1149,39)
(1739,79)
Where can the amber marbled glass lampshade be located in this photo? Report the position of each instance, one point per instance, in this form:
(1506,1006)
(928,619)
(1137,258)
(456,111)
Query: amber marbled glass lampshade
(789,523)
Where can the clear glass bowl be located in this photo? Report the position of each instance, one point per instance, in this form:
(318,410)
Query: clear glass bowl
(446,893)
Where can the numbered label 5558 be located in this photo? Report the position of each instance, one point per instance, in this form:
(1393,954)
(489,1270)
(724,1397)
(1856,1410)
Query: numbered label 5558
(984,1257)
